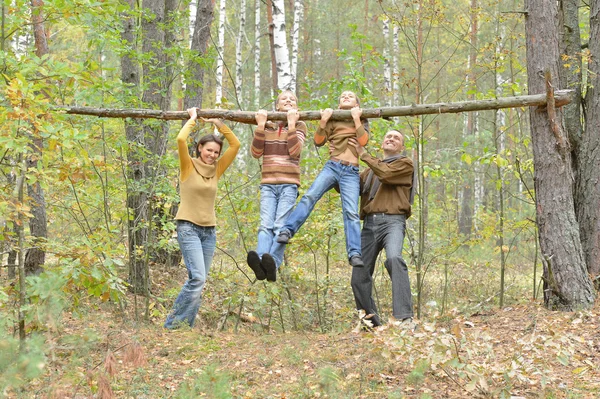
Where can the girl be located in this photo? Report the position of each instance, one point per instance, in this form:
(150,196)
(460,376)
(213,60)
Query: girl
(196,218)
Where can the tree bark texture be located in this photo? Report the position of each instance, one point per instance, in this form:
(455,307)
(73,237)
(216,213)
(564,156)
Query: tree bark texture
(282,54)
(38,226)
(562,97)
(194,87)
(567,284)
(570,68)
(587,190)
(136,198)
(220,48)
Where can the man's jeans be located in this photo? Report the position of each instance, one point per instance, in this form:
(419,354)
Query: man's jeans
(333,173)
(276,204)
(382,231)
(197,244)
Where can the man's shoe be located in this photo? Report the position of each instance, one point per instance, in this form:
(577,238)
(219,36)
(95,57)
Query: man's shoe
(284,237)
(253,261)
(270,267)
(356,261)
(406,324)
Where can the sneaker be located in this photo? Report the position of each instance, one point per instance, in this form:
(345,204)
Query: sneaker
(284,237)
(356,261)
(270,267)
(253,261)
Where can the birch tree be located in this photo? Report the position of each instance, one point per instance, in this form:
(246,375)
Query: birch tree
(471,188)
(257,36)
(220,54)
(238,51)
(387,67)
(395,65)
(298,17)
(282,55)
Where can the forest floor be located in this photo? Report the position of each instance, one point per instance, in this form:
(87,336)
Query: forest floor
(521,351)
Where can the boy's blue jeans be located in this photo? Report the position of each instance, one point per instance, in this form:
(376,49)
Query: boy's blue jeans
(332,174)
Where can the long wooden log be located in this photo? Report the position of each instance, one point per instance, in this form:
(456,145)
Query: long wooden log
(562,97)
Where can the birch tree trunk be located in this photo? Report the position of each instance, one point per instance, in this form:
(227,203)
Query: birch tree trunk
(468,207)
(567,285)
(396,65)
(275,84)
(238,52)
(257,54)
(387,67)
(298,16)
(220,55)
(282,55)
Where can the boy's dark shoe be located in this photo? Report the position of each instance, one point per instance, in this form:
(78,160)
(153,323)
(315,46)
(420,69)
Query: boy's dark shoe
(284,237)
(253,261)
(356,261)
(270,267)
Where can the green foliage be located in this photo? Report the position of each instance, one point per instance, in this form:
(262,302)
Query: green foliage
(417,375)
(212,383)
(19,365)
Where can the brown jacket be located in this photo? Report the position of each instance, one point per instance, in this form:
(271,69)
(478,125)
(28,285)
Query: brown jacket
(393,195)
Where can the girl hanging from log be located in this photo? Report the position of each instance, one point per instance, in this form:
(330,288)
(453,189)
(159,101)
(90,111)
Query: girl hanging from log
(196,218)
(340,170)
(279,145)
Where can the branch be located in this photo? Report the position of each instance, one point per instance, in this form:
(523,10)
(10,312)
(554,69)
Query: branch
(562,97)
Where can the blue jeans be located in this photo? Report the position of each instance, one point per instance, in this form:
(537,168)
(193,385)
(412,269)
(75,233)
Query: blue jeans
(276,204)
(197,244)
(382,231)
(332,174)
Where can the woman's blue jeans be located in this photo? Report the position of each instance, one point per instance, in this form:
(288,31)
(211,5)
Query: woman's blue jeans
(197,244)
(332,174)
(276,204)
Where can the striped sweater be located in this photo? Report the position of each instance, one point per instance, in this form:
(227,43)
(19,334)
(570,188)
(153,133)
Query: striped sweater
(280,149)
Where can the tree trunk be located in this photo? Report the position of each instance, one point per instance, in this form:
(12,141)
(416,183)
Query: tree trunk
(387,67)
(136,200)
(194,87)
(587,190)
(38,226)
(396,66)
(282,55)
(220,55)
(471,181)
(269,4)
(566,282)
(298,16)
(238,53)
(257,54)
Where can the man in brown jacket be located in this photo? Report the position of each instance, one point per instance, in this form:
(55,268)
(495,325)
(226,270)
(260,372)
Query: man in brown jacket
(385,204)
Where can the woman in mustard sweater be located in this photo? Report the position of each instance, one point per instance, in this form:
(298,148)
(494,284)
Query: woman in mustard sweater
(196,218)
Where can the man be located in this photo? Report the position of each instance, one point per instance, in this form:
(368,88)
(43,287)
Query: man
(385,204)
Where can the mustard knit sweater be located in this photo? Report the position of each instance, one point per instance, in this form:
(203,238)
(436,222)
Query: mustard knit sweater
(198,181)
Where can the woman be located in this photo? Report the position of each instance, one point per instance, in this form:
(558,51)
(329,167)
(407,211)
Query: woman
(279,145)
(196,218)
